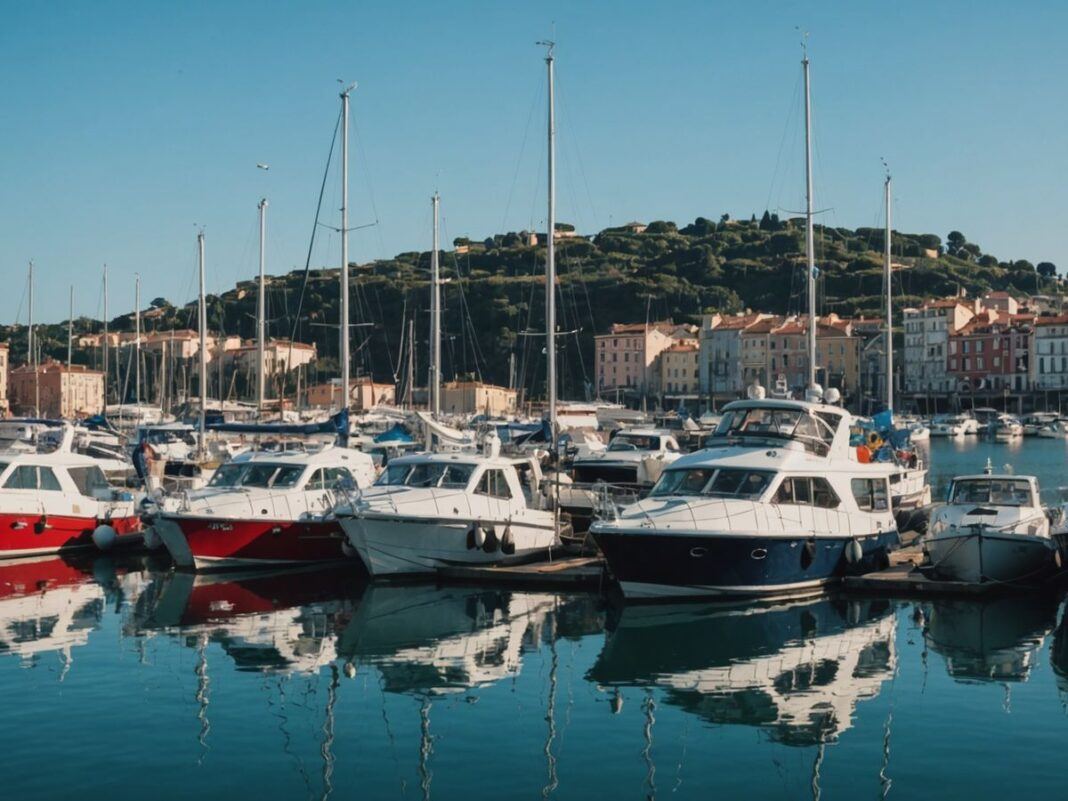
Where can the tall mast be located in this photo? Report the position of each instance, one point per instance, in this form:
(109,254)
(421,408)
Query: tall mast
(261,315)
(550,254)
(32,345)
(345,246)
(202,324)
(137,344)
(435,316)
(810,247)
(888,270)
(105,337)
(410,383)
(70,348)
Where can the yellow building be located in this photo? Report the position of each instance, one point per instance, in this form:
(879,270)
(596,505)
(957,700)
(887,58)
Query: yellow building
(57,390)
(364,394)
(474,397)
(680,372)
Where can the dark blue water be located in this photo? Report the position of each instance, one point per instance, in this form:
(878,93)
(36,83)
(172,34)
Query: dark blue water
(122,680)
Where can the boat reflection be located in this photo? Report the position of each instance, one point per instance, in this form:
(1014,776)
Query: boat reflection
(53,603)
(796,669)
(279,621)
(427,639)
(989,640)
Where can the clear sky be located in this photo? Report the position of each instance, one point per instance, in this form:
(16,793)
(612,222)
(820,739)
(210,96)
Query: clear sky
(126,125)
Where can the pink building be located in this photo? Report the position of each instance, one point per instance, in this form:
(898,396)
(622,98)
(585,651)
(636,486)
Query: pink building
(626,357)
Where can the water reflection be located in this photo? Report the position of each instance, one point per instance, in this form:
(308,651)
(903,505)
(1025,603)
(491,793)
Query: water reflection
(280,621)
(796,670)
(989,640)
(428,639)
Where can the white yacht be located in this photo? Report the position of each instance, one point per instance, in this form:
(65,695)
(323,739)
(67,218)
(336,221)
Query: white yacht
(993,528)
(632,463)
(1007,428)
(1035,422)
(434,510)
(948,425)
(780,503)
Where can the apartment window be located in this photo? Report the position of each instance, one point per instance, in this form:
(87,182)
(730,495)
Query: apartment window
(966,344)
(952,364)
(952,347)
(967,363)
(979,363)
(979,346)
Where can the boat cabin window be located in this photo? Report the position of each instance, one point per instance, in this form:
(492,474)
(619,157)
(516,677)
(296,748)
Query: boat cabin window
(261,475)
(427,474)
(815,432)
(807,491)
(718,483)
(997,491)
(329,478)
(634,442)
(494,484)
(871,494)
(31,477)
(90,481)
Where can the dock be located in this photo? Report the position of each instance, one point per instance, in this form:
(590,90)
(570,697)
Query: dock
(584,572)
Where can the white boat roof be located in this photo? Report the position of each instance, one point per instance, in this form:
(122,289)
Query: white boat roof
(323,456)
(781,403)
(995,477)
(646,432)
(469,457)
(55,459)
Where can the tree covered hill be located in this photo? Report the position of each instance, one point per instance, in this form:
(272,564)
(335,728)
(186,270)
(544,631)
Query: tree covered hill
(494,298)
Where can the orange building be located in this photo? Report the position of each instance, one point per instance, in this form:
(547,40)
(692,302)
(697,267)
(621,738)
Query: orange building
(57,390)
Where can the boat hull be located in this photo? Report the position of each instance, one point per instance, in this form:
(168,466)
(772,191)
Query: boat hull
(976,556)
(36,534)
(651,565)
(205,543)
(422,546)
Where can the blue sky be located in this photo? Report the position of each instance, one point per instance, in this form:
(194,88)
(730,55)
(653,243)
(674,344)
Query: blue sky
(127,125)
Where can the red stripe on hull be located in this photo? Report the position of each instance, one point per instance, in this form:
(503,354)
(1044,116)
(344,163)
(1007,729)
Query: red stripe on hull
(262,540)
(221,600)
(22,534)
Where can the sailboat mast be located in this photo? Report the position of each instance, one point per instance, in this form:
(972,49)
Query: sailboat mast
(261,314)
(202,325)
(137,345)
(70,349)
(344,350)
(810,247)
(550,255)
(888,271)
(105,337)
(410,383)
(435,316)
(32,355)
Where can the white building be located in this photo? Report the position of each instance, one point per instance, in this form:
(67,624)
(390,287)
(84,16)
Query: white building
(721,365)
(1049,357)
(927,331)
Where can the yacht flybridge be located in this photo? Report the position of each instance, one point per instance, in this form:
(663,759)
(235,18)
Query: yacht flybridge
(778,503)
(437,510)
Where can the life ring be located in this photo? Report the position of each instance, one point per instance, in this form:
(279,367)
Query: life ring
(874,440)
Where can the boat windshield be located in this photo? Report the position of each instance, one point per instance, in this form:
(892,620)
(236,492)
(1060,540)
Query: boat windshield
(723,482)
(816,432)
(995,491)
(426,474)
(262,475)
(634,442)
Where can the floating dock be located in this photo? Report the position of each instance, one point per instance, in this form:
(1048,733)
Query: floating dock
(584,572)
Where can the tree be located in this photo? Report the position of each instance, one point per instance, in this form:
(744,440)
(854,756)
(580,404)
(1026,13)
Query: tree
(765,221)
(955,241)
(988,261)
(1046,269)
(661,227)
(159,303)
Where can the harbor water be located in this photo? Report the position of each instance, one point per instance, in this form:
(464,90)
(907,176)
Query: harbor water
(124,680)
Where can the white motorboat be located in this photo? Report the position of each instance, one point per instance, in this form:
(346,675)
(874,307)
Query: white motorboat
(947,426)
(630,465)
(1035,422)
(779,503)
(1007,428)
(263,508)
(1055,429)
(993,528)
(436,510)
(918,432)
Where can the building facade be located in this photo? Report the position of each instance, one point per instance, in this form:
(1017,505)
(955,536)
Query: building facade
(474,397)
(927,331)
(5,364)
(364,394)
(680,374)
(720,359)
(56,390)
(1049,353)
(991,352)
(625,358)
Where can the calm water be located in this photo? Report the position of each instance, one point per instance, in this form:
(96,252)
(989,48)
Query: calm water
(123,680)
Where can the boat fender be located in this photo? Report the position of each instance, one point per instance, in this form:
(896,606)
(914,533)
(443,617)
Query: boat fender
(104,537)
(151,538)
(874,440)
(479,536)
(853,552)
(508,541)
(349,670)
(492,543)
(347,549)
(808,553)
(1058,560)
(41,525)
(471,538)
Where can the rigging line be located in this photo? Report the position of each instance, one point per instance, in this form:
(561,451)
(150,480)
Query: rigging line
(782,142)
(315,226)
(519,159)
(566,119)
(362,154)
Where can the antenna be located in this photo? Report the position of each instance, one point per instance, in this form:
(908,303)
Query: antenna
(804,41)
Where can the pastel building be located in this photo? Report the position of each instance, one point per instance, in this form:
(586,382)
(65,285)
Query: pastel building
(57,390)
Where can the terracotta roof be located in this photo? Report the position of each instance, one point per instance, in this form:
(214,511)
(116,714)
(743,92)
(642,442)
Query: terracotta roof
(1059,320)
(737,322)
(946,303)
(765,326)
(682,348)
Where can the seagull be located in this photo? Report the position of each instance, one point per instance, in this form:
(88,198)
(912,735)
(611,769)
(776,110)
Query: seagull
(264,166)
